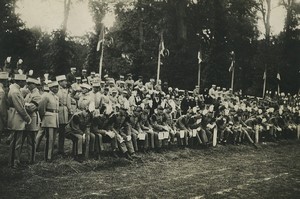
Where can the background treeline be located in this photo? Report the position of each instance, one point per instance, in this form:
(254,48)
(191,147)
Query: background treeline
(216,27)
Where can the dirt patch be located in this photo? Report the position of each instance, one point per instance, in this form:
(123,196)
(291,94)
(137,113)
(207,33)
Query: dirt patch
(272,171)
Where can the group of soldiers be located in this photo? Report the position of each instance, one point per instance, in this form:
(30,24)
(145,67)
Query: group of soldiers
(133,116)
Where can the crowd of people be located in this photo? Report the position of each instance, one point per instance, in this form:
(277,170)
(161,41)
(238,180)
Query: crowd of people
(134,116)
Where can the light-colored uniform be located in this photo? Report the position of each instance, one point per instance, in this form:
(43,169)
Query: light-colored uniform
(32,101)
(17,119)
(63,113)
(48,109)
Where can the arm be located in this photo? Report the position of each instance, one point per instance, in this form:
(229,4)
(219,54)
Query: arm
(18,102)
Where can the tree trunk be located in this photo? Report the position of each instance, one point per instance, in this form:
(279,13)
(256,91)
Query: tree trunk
(67,4)
(180,8)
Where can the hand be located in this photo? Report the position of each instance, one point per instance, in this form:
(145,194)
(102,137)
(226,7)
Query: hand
(30,120)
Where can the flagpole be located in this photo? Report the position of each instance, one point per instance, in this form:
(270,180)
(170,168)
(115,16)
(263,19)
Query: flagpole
(102,50)
(199,74)
(158,68)
(278,83)
(101,61)
(233,67)
(265,83)
(232,76)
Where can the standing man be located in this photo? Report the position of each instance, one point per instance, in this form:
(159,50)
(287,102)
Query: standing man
(48,110)
(64,110)
(32,101)
(71,78)
(17,119)
(3,102)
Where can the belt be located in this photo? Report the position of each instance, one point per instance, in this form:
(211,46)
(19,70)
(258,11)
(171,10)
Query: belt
(52,110)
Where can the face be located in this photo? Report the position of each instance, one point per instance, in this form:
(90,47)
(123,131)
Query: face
(63,83)
(85,90)
(21,83)
(96,89)
(31,86)
(54,89)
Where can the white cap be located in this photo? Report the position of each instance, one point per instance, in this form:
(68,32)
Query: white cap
(87,86)
(61,78)
(52,84)
(32,80)
(4,75)
(20,77)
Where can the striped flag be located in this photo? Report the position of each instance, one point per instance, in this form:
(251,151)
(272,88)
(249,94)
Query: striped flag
(161,47)
(101,37)
(278,76)
(231,68)
(199,57)
(265,75)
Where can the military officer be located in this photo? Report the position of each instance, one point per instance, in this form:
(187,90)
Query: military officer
(64,110)
(32,101)
(86,102)
(3,102)
(48,110)
(17,119)
(71,76)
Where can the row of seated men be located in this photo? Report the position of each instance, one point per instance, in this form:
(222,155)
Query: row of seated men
(134,128)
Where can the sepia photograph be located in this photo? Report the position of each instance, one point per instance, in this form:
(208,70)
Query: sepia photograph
(162,99)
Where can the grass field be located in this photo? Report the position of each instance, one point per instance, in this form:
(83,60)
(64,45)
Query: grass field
(272,171)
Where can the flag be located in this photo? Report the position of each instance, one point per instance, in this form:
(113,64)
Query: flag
(101,37)
(231,68)
(199,57)
(278,76)
(265,75)
(161,45)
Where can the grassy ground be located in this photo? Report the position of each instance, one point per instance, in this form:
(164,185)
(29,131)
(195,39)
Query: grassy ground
(272,171)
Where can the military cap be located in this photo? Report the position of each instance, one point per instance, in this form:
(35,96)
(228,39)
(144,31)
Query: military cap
(160,107)
(32,80)
(20,77)
(84,85)
(61,78)
(96,84)
(4,75)
(52,84)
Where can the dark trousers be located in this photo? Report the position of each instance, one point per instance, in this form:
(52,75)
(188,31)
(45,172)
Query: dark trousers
(30,136)
(61,138)
(49,146)
(15,148)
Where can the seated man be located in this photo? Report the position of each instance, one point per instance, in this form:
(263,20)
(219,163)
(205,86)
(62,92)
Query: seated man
(184,129)
(136,130)
(75,131)
(101,128)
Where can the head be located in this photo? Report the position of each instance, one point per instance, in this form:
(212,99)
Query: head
(73,70)
(106,90)
(63,83)
(83,72)
(54,89)
(129,76)
(20,80)
(96,88)
(160,110)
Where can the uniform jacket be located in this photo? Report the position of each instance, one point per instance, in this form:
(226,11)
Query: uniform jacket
(48,110)
(17,114)
(32,101)
(86,101)
(3,108)
(64,105)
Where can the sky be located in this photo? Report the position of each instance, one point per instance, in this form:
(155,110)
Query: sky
(48,14)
